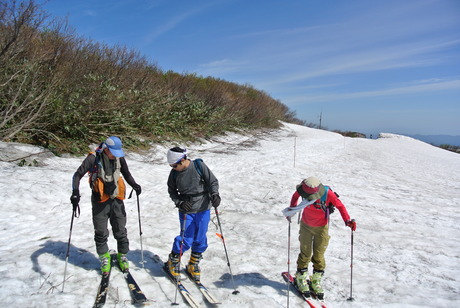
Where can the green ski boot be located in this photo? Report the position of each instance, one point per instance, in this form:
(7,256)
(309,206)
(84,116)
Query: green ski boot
(106,262)
(301,282)
(316,284)
(123,262)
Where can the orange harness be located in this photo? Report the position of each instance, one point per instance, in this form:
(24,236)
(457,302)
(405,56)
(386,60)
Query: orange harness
(97,184)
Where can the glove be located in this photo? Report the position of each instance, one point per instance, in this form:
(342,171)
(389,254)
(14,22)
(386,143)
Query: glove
(75,198)
(352,224)
(185,206)
(215,199)
(331,208)
(138,189)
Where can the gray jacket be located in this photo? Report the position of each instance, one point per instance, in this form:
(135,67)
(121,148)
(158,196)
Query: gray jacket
(188,185)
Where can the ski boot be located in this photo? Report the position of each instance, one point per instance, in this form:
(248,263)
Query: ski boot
(193,270)
(106,262)
(301,282)
(316,284)
(123,262)
(173,265)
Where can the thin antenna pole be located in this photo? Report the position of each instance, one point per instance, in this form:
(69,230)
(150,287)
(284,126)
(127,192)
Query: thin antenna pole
(295,149)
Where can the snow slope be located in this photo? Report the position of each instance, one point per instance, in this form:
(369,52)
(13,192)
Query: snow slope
(403,193)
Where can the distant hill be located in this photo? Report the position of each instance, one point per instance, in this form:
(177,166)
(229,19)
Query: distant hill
(438,139)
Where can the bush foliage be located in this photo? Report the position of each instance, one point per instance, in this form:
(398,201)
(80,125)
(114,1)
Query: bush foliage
(63,92)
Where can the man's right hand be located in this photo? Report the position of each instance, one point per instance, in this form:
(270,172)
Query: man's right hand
(75,198)
(185,206)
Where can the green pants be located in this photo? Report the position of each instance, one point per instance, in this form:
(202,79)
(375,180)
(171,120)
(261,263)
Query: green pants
(313,245)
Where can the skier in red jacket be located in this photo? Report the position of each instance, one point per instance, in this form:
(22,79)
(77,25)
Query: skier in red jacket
(314,231)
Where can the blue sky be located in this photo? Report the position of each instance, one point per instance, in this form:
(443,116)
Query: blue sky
(364,65)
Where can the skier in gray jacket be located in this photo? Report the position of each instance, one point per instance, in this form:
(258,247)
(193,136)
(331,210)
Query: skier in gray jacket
(194,189)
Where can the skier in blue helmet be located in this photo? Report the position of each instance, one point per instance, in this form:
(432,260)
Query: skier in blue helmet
(107,167)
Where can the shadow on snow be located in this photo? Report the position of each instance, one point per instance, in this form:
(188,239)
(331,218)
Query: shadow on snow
(153,265)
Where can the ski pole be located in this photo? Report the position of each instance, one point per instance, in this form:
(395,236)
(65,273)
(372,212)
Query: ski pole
(74,214)
(351,270)
(140,230)
(289,259)
(140,226)
(182,235)
(226,254)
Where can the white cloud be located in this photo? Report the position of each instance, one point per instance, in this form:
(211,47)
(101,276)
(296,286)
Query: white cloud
(91,13)
(217,67)
(419,88)
(172,23)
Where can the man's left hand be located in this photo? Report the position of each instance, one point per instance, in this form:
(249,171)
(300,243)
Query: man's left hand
(215,199)
(138,189)
(352,224)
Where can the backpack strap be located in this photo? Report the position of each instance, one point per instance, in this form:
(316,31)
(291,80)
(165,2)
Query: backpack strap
(197,162)
(93,171)
(324,197)
(322,202)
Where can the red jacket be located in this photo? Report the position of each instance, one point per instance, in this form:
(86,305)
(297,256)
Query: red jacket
(314,215)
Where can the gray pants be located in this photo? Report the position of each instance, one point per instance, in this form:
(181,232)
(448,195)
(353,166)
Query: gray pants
(113,210)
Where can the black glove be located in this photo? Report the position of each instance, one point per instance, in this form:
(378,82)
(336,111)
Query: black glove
(75,198)
(215,199)
(138,189)
(185,206)
(331,208)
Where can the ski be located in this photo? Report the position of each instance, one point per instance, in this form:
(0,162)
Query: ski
(320,301)
(313,295)
(288,278)
(209,297)
(137,295)
(102,290)
(183,291)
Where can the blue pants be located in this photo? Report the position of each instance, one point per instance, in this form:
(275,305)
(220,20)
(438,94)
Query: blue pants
(196,226)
